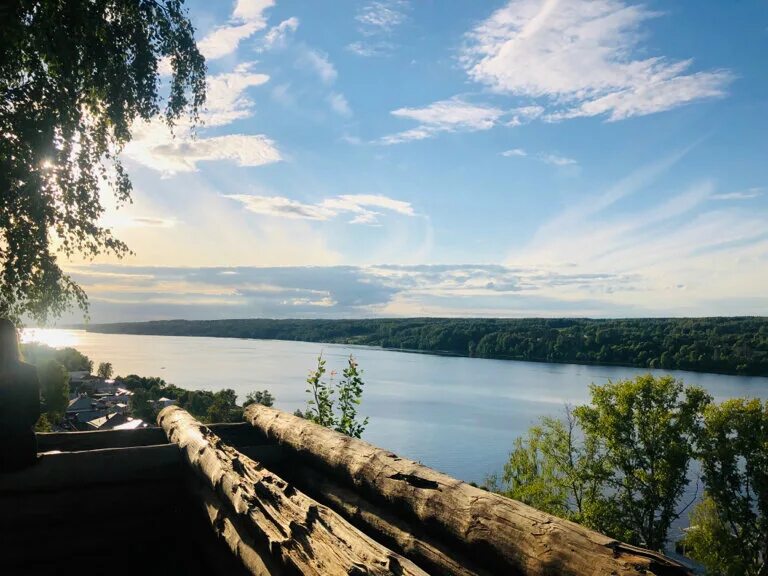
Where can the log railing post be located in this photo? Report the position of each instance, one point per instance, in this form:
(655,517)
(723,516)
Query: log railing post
(272,527)
(502,535)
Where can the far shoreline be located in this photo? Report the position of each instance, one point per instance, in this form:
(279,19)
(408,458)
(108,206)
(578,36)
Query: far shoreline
(160,328)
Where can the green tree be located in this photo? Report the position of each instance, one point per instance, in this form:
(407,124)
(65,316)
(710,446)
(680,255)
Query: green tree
(141,407)
(72,359)
(617,465)
(224,407)
(350,393)
(54,385)
(729,527)
(645,428)
(43,424)
(74,77)
(105,370)
(134,382)
(263,397)
(532,474)
(321,405)
(555,468)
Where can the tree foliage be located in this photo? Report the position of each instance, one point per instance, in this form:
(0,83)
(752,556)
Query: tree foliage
(263,397)
(646,429)
(105,370)
(720,345)
(74,77)
(729,527)
(73,360)
(54,388)
(556,469)
(207,406)
(323,409)
(617,465)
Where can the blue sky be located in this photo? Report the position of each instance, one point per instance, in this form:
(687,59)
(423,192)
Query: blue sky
(486,158)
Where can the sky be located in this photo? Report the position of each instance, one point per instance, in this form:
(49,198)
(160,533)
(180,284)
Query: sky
(601,158)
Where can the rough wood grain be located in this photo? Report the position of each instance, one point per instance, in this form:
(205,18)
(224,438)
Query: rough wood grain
(407,538)
(302,536)
(503,535)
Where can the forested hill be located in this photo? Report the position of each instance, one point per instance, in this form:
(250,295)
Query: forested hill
(724,345)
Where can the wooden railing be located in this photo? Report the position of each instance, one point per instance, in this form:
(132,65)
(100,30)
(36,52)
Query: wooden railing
(287,496)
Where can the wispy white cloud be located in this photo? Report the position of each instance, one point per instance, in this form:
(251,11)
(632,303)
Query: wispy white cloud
(320,65)
(463,289)
(546,157)
(154,146)
(359,205)
(743,195)
(171,157)
(680,241)
(524,114)
(226,95)
(250,10)
(582,58)
(153,222)
(451,115)
(377,21)
(557,160)
(247,19)
(367,49)
(381,15)
(339,104)
(277,35)
(514,152)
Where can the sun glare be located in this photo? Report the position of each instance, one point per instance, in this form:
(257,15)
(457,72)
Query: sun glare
(53,337)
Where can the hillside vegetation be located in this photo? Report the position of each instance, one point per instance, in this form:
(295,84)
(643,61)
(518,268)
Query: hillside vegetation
(722,345)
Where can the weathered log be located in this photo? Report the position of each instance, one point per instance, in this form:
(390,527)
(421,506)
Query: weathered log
(234,532)
(303,537)
(502,535)
(407,538)
(58,471)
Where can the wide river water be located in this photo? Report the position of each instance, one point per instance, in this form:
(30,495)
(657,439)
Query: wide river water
(457,415)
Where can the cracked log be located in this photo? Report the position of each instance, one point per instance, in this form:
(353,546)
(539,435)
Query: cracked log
(254,509)
(404,537)
(502,535)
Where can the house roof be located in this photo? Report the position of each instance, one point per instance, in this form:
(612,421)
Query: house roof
(108,422)
(130,425)
(79,404)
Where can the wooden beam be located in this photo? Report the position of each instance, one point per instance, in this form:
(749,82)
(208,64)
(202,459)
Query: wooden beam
(98,439)
(303,536)
(504,536)
(236,434)
(59,471)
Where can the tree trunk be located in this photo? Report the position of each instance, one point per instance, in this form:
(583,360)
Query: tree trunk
(502,535)
(303,537)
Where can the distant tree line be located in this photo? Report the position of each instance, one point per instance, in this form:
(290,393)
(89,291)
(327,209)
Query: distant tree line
(722,345)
